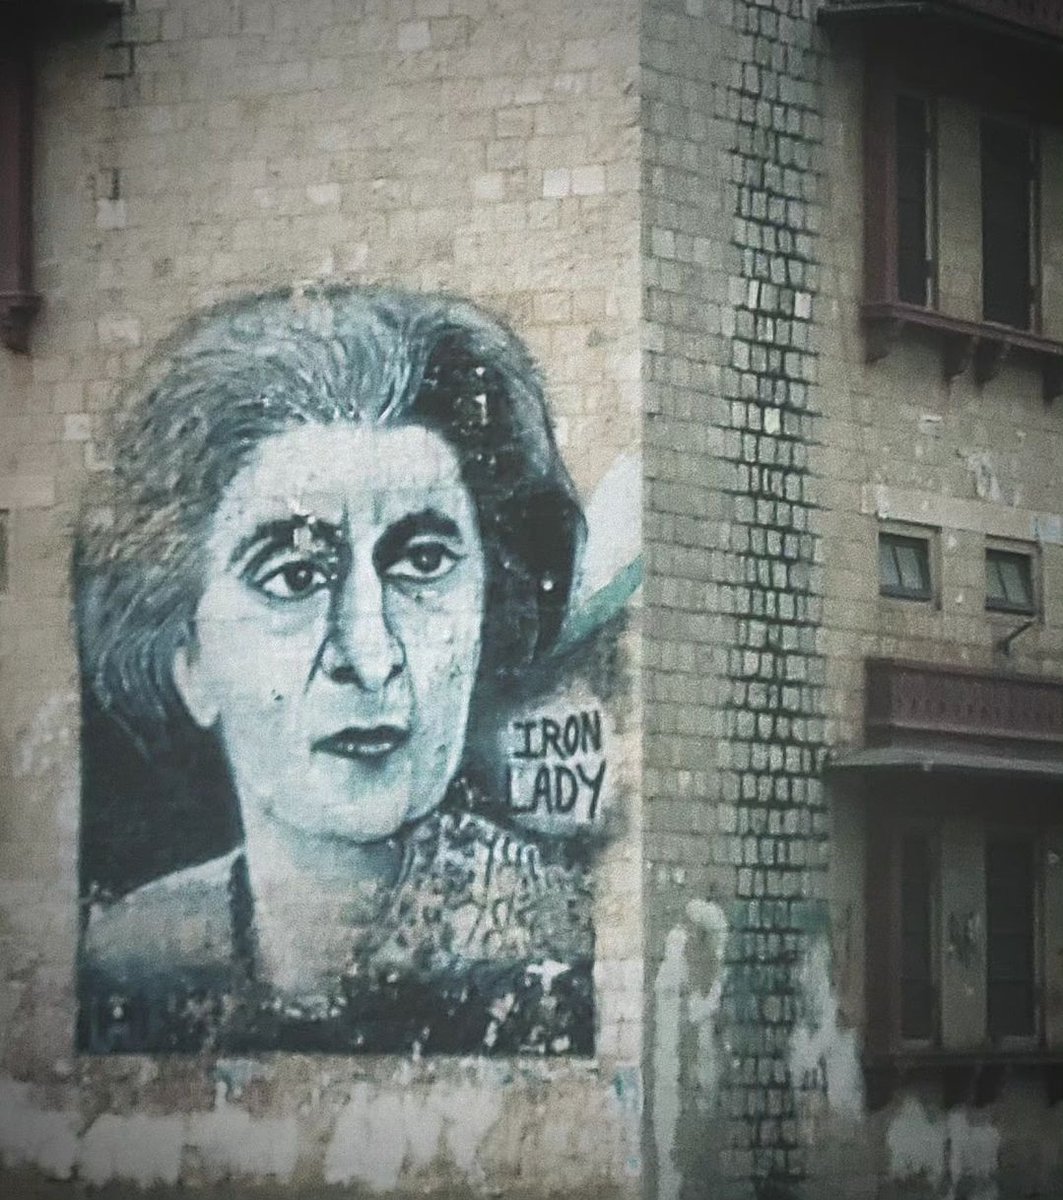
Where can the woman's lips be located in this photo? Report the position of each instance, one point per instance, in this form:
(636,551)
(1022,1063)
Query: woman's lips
(363,742)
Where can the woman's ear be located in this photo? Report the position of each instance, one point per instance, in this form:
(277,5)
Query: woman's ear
(192,687)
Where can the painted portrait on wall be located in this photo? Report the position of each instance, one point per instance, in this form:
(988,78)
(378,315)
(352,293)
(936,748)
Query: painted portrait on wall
(339,550)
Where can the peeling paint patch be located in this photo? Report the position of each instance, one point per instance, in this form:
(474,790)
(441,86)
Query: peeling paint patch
(957,1157)
(822,1052)
(627,1088)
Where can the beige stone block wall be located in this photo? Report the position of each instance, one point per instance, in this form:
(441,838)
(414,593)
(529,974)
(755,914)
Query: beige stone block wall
(487,149)
(903,447)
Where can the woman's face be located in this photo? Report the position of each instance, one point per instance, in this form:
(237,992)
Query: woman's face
(338,634)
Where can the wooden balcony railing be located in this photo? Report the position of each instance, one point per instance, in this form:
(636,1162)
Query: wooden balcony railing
(906,701)
(1040,17)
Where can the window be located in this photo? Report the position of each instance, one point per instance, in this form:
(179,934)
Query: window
(915,200)
(963,916)
(1009,217)
(904,566)
(979,302)
(918,951)
(1009,581)
(1011,981)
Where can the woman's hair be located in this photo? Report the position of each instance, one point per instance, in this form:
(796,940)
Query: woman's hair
(252,368)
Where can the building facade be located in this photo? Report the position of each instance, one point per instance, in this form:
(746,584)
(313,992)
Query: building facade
(531,647)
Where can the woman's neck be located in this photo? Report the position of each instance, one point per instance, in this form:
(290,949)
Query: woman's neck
(314,900)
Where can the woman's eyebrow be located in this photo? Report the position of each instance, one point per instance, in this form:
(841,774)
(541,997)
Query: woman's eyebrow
(427,521)
(283,532)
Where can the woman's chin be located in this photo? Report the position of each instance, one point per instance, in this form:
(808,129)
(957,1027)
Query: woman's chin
(370,822)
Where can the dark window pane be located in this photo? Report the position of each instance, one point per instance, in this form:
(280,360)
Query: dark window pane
(889,574)
(912,563)
(1009,581)
(904,566)
(1006,201)
(918,990)
(913,177)
(1010,961)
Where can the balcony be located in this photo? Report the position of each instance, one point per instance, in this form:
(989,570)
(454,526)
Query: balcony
(1039,20)
(925,717)
(926,701)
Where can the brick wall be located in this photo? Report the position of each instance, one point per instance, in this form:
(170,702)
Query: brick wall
(736,826)
(197,150)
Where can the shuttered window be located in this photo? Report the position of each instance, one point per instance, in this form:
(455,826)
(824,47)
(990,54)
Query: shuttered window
(915,274)
(918,990)
(1011,979)
(1008,198)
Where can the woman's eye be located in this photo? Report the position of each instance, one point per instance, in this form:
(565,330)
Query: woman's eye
(423,561)
(293,580)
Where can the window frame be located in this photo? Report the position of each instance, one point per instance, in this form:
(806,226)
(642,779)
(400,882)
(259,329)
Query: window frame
(930,197)
(1034,185)
(1010,830)
(921,535)
(1015,550)
(900,803)
(893,67)
(929,830)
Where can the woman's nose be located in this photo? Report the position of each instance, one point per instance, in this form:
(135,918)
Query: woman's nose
(360,646)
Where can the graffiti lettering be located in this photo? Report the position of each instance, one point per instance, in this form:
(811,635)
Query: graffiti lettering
(345,461)
(579,733)
(558,787)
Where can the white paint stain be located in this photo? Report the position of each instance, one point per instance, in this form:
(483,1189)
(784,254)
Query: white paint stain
(678,1004)
(983,476)
(46,743)
(380,1136)
(232,1142)
(32,1136)
(820,1048)
(140,1148)
(704,1009)
(955,1156)
(143,1149)
(668,988)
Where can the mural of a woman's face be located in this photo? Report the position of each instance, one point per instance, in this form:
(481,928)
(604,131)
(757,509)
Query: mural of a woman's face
(337,636)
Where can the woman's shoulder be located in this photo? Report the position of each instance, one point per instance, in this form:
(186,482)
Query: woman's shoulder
(178,925)
(503,894)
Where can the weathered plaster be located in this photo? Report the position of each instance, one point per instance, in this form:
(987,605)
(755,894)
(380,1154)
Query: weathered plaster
(142,1148)
(467,1124)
